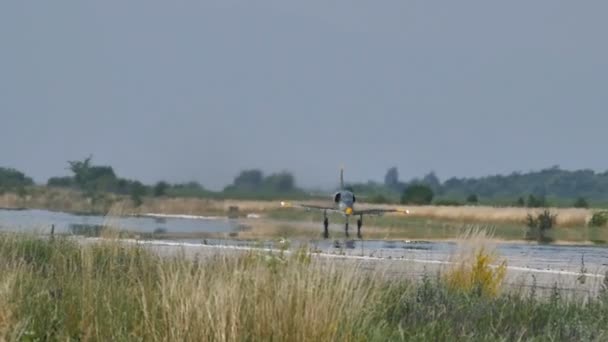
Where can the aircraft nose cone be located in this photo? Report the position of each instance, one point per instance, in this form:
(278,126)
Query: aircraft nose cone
(348,211)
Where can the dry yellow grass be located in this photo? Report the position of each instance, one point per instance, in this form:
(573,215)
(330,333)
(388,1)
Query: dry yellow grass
(7,285)
(109,291)
(476,265)
(57,200)
(566,217)
(59,290)
(74,201)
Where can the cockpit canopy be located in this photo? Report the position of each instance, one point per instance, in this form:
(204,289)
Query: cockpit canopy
(345,196)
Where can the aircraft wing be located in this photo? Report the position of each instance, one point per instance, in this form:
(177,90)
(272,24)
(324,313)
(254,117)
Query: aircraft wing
(307,206)
(379,211)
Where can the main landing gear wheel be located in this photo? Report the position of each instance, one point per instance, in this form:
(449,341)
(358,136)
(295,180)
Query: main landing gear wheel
(326,228)
(359,224)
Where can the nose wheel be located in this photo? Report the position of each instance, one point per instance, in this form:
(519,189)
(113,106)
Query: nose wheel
(359,225)
(325,228)
(346,228)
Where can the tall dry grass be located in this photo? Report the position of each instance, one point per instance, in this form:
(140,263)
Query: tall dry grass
(64,290)
(109,291)
(476,265)
(59,199)
(566,217)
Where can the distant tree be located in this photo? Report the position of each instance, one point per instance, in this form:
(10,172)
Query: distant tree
(249,179)
(378,198)
(160,189)
(520,202)
(61,182)
(11,179)
(80,169)
(280,182)
(138,190)
(391,179)
(417,194)
(432,181)
(447,203)
(536,202)
(581,202)
(190,189)
(472,199)
(94,179)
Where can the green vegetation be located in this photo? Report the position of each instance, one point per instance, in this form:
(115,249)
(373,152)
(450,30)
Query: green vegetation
(253,184)
(160,189)
(548,183)
(472,199)
(60,290)
(534,202)
(13,180)
(548,187)
(417,194)
(539,226)
(95,180)
(581,202)
(599,219)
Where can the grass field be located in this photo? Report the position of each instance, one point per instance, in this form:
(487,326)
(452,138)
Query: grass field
(61,290)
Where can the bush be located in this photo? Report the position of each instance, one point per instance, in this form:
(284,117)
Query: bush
(534,202)
(417,194)
(378,199)
(581,202)
(11,179)
(472,199)
(160,189)
(480,277)
(599,219)
(447,203)
(60,182)
(138,190)
(539,225)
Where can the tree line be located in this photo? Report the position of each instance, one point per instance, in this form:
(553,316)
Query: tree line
(551,186)
(95,179)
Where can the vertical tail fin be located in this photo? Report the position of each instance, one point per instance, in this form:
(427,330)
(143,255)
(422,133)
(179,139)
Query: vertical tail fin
(342,178)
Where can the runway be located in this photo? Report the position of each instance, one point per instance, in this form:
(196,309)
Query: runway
(573,270)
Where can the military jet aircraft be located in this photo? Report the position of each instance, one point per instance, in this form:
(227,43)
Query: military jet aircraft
(344,203)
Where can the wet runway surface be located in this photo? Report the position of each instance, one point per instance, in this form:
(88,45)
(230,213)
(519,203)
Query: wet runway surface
(545,268)
(40,221)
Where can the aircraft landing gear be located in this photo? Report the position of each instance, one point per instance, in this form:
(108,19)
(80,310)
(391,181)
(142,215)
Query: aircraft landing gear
(359,225)
(325,225)
(346,228)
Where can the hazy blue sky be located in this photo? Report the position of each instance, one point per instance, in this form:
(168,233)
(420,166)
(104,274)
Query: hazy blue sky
(182,90)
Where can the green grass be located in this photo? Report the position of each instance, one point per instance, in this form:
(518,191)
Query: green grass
(62,290)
